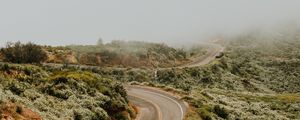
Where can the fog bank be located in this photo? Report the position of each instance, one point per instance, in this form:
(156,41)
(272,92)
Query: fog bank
(57,22)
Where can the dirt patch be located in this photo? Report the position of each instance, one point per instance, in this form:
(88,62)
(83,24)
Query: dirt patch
(13,111)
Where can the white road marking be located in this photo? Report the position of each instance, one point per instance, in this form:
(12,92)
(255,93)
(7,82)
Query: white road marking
(181,109)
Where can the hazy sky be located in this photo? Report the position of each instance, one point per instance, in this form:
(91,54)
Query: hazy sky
(57,22)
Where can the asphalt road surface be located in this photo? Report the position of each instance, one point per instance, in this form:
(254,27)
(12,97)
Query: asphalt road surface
(213,51)
(158,105)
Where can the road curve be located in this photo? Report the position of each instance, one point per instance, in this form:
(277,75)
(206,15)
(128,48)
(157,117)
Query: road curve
(213,51)
(155,104)
(162,105)
(159,105)
(145,106)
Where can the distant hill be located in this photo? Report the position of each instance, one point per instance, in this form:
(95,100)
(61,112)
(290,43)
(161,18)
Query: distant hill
(123,54)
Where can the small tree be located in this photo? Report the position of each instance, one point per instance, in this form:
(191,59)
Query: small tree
(23,53)
(100,42)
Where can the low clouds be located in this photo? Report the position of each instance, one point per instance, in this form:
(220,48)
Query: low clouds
(57,22)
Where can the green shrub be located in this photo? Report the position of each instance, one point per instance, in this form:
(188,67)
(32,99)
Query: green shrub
(100,114)
(5,67)
(18,87)
(83,114)
(221,112)
(204,114)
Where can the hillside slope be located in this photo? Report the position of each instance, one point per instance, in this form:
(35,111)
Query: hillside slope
(62,93)
(123,54)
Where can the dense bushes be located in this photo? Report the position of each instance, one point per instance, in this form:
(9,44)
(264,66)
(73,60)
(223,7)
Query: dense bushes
(64,93)
(23,53)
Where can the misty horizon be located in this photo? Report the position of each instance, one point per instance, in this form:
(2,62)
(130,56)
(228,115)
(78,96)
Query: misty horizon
(176,22)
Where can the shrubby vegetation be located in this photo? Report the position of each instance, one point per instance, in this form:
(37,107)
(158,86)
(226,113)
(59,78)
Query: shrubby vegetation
(257,77)
(23,53)
(56,93)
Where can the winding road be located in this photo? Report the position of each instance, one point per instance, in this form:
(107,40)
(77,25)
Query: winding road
(154,104)
(213,51)
(161,105)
